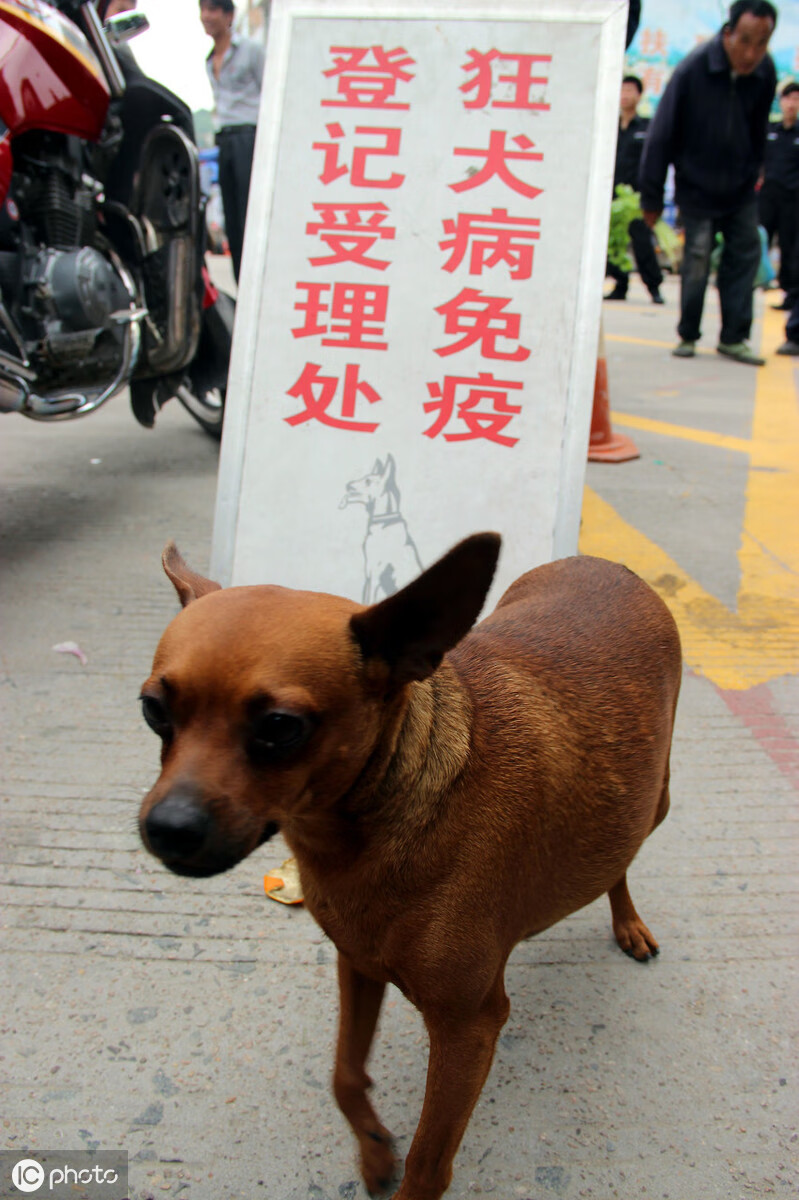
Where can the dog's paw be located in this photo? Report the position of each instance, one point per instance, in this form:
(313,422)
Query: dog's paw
(635,939)
(378,1164)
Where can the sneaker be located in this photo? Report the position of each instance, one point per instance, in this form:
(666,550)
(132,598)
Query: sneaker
(788,347)
(657,298)
(618,293)
(685,350)
(740,352)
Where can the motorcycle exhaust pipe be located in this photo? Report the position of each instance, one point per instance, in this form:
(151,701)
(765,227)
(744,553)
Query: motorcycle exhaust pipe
(15,378)
(13,392)
(78,404)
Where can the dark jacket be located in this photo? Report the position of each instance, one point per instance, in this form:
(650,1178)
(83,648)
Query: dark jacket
(629,147)
(633,19)
(782,156)
(712,126)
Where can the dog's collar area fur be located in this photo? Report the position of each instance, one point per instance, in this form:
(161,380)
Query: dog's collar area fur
(410,774)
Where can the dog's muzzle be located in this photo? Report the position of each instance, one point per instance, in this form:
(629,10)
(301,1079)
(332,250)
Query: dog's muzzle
(178,827)
(184,835)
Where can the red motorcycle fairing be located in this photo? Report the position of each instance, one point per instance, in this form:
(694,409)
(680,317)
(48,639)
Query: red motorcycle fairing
(49,75)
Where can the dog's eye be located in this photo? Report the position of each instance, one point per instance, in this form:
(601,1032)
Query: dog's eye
(276,735)
(156,716)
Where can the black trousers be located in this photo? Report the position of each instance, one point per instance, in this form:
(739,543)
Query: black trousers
(236,145)
(778,209)
(645,257)
(792,327)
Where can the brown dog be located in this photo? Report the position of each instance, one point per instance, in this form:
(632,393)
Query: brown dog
(401,758)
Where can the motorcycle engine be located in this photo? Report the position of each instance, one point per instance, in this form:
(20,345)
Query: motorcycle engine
(74,290)
(69,298)
(62,290)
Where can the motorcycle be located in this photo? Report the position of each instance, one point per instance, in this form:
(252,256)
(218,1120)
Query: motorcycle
(103,282)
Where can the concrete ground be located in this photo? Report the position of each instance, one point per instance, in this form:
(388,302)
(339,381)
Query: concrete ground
(191,1023)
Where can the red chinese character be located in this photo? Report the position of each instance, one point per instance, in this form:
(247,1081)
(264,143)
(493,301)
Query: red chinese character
(496,157)
(350,233)
(333,170)
(487,422)
(522,81)
(364,85)
(359,308)
(494,237)
(480,319)
(317,393)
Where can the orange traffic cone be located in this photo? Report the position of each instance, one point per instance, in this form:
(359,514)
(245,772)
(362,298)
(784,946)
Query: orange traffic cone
(604,445)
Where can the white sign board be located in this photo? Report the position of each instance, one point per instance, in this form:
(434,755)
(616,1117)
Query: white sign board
(418,314)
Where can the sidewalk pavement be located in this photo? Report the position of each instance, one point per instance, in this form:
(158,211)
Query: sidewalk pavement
(190,1023)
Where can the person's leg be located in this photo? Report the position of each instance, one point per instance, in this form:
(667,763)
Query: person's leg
(695,270)
(243,143)
(787,237)
(767,209)
(621,279)
(227,188)
(740,259)
(791,344)
(793,293)
(645,256)
(792,325)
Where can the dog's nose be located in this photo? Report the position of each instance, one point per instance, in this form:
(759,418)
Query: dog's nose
(177,827)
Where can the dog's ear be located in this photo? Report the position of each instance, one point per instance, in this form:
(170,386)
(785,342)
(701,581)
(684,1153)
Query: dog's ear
(413,629)
(188,584)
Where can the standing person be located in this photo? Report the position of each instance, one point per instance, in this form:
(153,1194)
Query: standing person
(791,343)
(778,198)
(629,146)
(235,69)
(711,123)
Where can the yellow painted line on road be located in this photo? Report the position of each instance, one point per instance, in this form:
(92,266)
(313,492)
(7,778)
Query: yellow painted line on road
(760,639)
(687,432)
(634,341)
(769,553)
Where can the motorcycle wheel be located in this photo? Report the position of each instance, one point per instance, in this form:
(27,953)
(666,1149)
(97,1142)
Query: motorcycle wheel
(204,387)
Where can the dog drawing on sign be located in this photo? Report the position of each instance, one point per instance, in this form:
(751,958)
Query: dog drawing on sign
(390,556)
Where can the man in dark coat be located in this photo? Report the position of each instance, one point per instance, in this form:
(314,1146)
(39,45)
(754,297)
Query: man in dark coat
(629,146)
(779,196)
(711,123)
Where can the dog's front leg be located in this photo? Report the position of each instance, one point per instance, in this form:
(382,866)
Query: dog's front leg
(461,1052)
(361,998)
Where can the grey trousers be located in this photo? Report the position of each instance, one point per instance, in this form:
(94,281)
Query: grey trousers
(736,274)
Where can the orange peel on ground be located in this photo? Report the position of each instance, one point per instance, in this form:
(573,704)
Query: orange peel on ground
(284,886)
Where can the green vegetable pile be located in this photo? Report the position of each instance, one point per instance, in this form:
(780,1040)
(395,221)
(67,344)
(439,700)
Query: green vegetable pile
(624,208)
